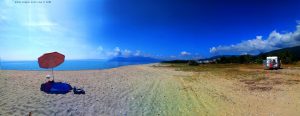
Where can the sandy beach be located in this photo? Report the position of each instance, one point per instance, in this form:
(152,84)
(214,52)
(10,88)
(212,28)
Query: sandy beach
(154,89)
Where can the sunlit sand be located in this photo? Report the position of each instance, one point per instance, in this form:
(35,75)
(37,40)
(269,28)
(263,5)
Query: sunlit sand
(154,89)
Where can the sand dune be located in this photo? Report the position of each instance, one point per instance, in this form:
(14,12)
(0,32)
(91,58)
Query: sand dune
(143,90)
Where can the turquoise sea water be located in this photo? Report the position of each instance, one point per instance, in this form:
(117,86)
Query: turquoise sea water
(67,65)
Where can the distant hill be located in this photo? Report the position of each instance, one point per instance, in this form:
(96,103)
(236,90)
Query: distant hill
(219,56)
(286,55)
(295,51)
(134,59)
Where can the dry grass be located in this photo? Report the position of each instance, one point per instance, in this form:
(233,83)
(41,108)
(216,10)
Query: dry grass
(252,75)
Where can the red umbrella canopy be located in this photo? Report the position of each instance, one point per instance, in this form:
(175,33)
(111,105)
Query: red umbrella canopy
(51,60)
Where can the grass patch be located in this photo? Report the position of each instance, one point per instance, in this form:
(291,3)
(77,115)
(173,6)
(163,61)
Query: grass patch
(252,75)
(228,71)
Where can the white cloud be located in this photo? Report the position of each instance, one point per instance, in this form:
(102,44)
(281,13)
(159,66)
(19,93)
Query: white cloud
(116,52)
(45,25)
(117,49)
(213,50)
(274,41)
(126,53)
(137,53)
(3,18)
(184,53)
(40,19)
(31,30)
(100,49)
(172,56)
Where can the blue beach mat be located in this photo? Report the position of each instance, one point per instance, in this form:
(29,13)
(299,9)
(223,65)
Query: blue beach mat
(56,87)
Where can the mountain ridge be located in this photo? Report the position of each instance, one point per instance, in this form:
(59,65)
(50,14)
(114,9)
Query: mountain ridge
(134,59)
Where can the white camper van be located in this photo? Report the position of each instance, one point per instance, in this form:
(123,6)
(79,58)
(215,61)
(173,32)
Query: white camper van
(272,62)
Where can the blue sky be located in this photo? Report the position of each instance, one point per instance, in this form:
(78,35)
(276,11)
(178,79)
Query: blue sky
(101,29)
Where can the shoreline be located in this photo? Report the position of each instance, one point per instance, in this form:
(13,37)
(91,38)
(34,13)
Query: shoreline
(84,69)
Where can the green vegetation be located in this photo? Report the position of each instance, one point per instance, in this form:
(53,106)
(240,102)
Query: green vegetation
(286,57)
(242,59)
(176,61)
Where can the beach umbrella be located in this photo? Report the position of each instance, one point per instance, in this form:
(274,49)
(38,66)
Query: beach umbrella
(51,60)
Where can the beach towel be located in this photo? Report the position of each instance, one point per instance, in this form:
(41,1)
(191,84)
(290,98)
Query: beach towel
(56,87)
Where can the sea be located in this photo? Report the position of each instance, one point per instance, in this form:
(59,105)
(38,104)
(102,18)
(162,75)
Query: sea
(67,65)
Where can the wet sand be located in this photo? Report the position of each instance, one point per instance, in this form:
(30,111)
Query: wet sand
(151,90)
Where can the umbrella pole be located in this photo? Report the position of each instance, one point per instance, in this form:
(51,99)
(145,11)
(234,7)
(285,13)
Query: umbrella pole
(52,74)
